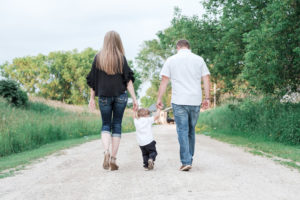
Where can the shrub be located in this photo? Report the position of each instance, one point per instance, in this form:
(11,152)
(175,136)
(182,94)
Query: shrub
(12,92)
(265,118)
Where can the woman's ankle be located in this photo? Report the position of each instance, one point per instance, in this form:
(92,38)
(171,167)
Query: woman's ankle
(106,151)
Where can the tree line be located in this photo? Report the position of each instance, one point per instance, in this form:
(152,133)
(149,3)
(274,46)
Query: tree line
(60,75)
(250,46)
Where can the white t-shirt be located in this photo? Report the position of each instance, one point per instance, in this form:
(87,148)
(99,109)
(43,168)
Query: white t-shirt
(143,126)
(185,70)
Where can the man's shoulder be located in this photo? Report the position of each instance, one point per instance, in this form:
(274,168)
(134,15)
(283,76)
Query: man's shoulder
(191,55)
(171,58)
(196,56)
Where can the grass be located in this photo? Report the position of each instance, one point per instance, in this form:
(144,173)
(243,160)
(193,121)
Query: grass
(37,130)
(288,155)
(16,162)
(23,129)
(30,127)
(264,118)
(265,127)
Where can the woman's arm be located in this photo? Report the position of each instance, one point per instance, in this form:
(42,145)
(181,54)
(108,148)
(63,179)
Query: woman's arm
(92,104)
(130,89)
(134,114)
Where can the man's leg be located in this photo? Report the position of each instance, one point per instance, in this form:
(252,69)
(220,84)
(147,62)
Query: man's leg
(182,127)
(193,118)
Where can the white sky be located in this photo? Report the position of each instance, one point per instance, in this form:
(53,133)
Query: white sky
(29,27)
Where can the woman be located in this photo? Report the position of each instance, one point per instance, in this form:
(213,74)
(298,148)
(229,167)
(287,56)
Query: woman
(109,79)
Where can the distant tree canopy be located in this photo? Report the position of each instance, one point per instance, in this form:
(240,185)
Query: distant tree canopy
(59,76)
(250,44)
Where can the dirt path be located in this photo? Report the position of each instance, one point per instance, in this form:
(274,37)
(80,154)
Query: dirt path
(220,171)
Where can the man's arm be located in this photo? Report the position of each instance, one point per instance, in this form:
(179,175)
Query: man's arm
(206,82)
(162,89)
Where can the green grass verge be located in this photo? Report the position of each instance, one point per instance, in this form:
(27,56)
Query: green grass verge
(266,126)
(267,118)
(27,128)
(290,154)
(16,162)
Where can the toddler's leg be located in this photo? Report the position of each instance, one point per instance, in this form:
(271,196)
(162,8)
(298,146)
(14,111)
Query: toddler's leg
(145,156)
(152,150)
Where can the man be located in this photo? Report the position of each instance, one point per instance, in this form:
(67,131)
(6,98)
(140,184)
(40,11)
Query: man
(185,71)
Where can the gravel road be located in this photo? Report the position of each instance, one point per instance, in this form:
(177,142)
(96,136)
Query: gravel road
(220,171)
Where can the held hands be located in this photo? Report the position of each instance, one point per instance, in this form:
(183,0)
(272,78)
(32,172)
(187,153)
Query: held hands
(92,104)
(135,105)
(159,104)
(206,104)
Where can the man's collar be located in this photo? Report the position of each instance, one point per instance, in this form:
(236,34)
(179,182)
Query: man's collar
(183,50)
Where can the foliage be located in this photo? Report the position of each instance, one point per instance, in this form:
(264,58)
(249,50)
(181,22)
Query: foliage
(259,43)
(137,78)
(248,45)
(152,92)
(59,76)
(272,59)
(265,118)
(11,91)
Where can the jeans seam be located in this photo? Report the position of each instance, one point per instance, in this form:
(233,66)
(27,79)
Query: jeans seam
(116,135)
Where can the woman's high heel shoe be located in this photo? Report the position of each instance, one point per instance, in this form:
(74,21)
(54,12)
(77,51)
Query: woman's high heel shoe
(113,164)
(106,160)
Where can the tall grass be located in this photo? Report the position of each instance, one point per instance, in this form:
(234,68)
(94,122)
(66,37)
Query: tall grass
(265,118)
(28,128)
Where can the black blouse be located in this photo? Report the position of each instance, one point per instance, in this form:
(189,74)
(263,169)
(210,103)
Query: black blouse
(109,85)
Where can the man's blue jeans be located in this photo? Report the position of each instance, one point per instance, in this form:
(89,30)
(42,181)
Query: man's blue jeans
(186,119)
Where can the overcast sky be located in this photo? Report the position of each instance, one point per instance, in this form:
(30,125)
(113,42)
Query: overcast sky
(29,27)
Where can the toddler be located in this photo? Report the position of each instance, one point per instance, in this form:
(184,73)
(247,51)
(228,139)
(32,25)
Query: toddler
(143,125)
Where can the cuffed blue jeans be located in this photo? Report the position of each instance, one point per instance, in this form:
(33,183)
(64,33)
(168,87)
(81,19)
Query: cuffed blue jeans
(112,110)
(186,119)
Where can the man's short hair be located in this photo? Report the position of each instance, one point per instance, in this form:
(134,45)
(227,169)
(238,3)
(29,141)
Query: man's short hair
(183,43)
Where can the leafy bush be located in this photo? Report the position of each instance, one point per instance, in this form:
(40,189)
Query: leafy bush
(12,92)
(265,118)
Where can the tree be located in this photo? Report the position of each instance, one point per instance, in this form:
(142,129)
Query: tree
(249,45)
(59,75)
(272,59)
(259,43)
(137,76)
(152,92)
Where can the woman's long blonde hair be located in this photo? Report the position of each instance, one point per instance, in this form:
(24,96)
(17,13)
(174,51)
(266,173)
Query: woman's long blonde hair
(110,58)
